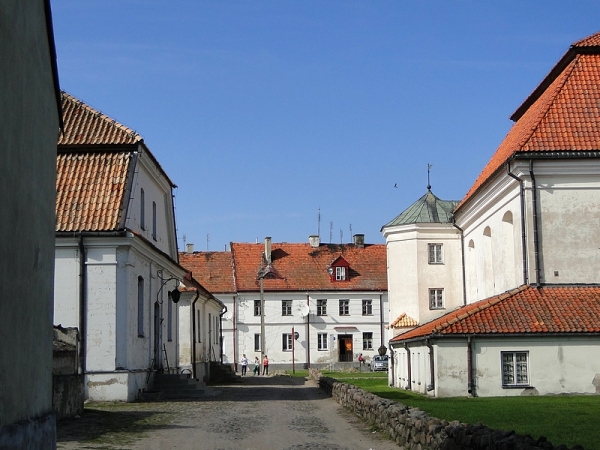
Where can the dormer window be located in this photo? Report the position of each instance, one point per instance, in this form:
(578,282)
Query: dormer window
(339,270)
(340,274)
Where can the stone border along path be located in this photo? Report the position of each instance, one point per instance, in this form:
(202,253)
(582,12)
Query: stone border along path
(266,413)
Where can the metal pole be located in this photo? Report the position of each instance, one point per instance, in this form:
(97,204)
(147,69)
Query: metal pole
(262,318)
(293,347)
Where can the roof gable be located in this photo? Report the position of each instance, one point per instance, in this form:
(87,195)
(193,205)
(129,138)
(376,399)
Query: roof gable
(525,310)
(304,268)
(562,114)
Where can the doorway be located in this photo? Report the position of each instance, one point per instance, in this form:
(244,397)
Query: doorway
(345,348)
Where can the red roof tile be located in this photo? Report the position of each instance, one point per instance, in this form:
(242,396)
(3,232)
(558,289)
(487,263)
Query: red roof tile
(304,268)
(526,310)
(560,115)
(90,190)
(213,270)
(84,125)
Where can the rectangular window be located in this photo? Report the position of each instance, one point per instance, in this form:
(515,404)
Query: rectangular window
(322,341)
(367,341)
(154,220)
(142,209)
(436,299)
(321,307)
(257,307)
(257,342)
(344,307)
(367,307)
(340,273)
(169,320)
(286,307)
(140,306)
(435,254)
(287,342)
(515,371)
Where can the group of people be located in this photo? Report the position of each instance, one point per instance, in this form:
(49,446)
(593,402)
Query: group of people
(265,363)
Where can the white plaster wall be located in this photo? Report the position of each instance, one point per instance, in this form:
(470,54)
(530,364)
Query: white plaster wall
(66,287)
(185,329)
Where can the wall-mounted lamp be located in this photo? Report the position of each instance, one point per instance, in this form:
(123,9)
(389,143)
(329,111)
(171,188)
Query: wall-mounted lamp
(174,295)
(330,270)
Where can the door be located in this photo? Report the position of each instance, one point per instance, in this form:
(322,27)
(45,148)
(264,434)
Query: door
(345,348)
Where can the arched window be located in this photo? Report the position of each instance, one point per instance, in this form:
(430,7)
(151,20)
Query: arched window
(508,252)
(140,293)
(142,209)
(487,254)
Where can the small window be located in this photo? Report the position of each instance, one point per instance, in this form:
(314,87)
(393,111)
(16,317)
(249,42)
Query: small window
(515,370)
(436,299)
(142,209)
(321,307)
(257,307)
(367,341)
(435,254)
(340,273)
(140,293)
(257,342)
(154,220)
(322,341)
(367,307)
(344,307)
(287,342)
(286,307)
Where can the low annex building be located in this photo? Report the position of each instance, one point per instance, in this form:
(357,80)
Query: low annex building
(525,259)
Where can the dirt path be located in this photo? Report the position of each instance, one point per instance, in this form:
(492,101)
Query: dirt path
(266,413)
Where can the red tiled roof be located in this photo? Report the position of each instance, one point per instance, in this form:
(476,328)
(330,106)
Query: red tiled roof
(304,268)
(560,115)
(90,190)
(84,125)
(213,270)
(403,321)
(526,310)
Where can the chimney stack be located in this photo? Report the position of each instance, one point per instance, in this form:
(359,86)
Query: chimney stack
(314,240)
(359,240)
(268,250)
(189,248)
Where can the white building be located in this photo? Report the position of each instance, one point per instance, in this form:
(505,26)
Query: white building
(116,253)
(528,226)
(323,303)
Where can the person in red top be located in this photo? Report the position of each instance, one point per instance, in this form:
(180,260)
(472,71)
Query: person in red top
(266,365)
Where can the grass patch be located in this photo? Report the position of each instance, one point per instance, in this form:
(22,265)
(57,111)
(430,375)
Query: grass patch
(568,420)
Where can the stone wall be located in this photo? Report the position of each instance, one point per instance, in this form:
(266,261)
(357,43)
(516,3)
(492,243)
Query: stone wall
(413,429)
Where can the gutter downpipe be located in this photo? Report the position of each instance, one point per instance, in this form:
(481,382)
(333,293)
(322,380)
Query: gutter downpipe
(471,386)
(431,386)
(234,333)
(308,334)
(462,251)
(221,331)
(82,304)
(392,361)
(536,246)
(193,359)
(523,231)
(408,368)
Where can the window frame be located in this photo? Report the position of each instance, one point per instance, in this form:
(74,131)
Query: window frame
(321,307)
(154,220)
(344,307)
(286,307)
(340,273)
(515,365)
(257,309)
(257,342)
(322,339)
(286,341)
(435,253)
(367,340)
(367,307)
(433,302)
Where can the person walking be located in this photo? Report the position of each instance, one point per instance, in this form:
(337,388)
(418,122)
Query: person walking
(244,364)
(256,366)
(266,365)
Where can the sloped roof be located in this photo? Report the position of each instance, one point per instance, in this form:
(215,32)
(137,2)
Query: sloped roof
(403,321)
(428,209)
(91,190)
(561,114)
(525,310)
(304,268)
(214,270)
(84,125)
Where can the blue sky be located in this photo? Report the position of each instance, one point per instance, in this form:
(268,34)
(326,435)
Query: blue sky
(261,112)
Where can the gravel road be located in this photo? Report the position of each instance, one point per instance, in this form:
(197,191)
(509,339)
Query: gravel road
(266,413)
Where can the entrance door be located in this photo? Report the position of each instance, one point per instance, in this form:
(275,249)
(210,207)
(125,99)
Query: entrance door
(345,347)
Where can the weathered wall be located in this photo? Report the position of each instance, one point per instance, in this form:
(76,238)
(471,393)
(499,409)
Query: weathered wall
(28,134)
(413,429)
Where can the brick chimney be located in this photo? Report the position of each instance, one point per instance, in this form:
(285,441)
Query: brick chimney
(359,240)
(314,240)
